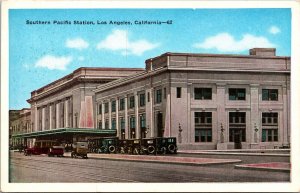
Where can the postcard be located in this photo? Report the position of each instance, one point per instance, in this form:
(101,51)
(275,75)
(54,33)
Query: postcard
(149,96)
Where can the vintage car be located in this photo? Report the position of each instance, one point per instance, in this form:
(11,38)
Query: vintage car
(109,145)
(103,145)
(148,146)
(56,151)
(80,149)
(166,145)
(122,146)
(40,147)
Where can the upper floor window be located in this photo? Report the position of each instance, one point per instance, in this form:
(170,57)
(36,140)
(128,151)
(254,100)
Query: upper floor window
(165,93)
(122,123)
(143,120)
(142,99)
(122,104)
(113,124)
(178,92)
(99,109)
(237,94)
(270,94)
(131,102)
(132,122)
(113,106)
(106,124)
(202,93)
(158,96)
(106,108)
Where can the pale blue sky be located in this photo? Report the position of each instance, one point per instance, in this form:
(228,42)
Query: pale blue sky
(40,54)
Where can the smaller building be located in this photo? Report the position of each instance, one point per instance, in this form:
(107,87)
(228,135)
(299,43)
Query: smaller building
(19,123)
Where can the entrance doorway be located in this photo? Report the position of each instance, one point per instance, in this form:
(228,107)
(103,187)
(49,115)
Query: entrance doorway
(237,135)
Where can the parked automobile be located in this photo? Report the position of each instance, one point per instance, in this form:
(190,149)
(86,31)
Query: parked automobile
(56,151)
(166,145)
(40,147)
(122,146)
(103,145)
(80,149)
(109,145)
(148,146)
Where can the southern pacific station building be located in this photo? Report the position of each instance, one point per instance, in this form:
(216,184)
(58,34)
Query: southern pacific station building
(206,101)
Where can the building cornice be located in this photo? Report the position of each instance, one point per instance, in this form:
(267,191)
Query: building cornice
(143,75)
(215,56)
(80,75)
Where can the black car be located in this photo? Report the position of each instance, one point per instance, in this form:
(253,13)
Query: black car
(103,145)
(166,145)
(148,146)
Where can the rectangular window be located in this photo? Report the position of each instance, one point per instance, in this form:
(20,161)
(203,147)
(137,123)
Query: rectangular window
(237,127)
(237,117)
(270,94)
(132,122)
(178,92)
(158,96)
(237,94)
(142,99)
(203,126)
(113,124)
(148,96)
(269,127)
(106,108)
(165,93)
(131,102)
(143,121)
(122,104)
(100,125)
(237,134)
(122,123)
(106,124)
(202,93)
(113,106)
(99,109)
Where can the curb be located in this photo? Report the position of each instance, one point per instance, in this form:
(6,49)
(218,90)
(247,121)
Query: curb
(262,168)
(164,162)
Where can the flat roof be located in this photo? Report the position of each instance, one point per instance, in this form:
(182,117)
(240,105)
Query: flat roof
(65,131)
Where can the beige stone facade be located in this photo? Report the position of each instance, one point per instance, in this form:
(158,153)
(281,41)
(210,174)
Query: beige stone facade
(207,101)
(19,122)
(69,101)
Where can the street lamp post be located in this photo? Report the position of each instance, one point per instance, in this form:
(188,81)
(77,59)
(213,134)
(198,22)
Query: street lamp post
(179,134)
(255,133)
(222,134)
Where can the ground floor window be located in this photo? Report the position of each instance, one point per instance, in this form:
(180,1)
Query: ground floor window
(203,135)
(269,135)
(203,126)
(237,135)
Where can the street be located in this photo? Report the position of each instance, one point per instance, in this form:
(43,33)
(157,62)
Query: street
(40,168)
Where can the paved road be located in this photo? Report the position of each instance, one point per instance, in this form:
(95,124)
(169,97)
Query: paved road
(45,169)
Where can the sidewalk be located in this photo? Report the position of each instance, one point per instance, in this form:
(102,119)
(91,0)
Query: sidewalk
(248,152)
(274,166)
(160,159)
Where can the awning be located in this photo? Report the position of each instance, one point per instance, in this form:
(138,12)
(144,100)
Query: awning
(83,131)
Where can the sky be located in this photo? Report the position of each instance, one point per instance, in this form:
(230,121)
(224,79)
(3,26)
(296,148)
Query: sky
(42,53)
